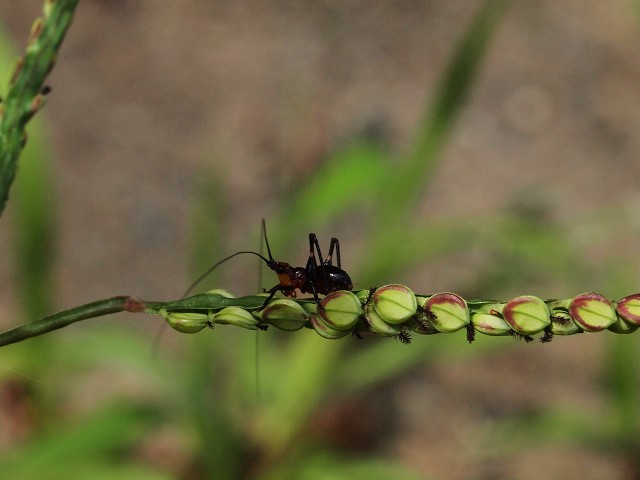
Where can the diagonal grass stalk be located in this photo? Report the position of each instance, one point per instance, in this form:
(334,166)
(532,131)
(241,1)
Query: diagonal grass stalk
(396,305)
(26,93)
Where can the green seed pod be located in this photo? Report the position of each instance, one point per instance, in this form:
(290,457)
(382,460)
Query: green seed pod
(559,306)
(395,303)
(526,314)
(236,316)
(363,295)
(341,310)
(285,314)
(592,312)
(623,326)
(379,326)
(491,307)
(490,324)
(629,308)
(309,307)
(421,300)
(185,322)
(222,292)
(562,324)
(447,312)
(324,330)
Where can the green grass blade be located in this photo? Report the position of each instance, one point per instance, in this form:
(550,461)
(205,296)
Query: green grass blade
(33,217)
(439,120)
(330,192)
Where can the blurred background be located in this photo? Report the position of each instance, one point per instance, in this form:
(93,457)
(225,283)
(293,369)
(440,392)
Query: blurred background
(485,148)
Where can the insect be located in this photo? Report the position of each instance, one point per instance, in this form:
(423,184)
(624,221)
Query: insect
(318,277)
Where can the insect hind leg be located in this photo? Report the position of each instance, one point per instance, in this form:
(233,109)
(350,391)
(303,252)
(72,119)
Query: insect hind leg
(313,243)
(335,244)
(313,265)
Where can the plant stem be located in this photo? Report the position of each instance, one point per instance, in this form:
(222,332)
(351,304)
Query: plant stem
(520,317)
(67,317)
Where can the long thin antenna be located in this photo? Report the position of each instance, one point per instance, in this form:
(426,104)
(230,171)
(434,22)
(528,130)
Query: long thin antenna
(264,232)
(256,359)
(216,265)
(261,250)
(156,340)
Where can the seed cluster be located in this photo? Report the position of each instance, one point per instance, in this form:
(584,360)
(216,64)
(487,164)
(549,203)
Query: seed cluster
(27,90)
(395,311)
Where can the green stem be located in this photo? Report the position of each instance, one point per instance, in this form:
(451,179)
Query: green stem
(67,317)
(440,313)
(25,96)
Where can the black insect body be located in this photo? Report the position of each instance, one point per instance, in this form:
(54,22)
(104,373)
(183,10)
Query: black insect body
(318,277)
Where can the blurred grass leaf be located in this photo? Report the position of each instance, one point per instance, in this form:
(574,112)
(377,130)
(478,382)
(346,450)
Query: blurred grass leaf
(327,465)
(99,439)
(361,172)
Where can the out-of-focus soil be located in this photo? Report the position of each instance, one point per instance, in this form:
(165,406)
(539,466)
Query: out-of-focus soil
(145,92)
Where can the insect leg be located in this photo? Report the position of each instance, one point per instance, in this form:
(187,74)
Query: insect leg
(334,244)
(312,266)
(313,242)
(272,292)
